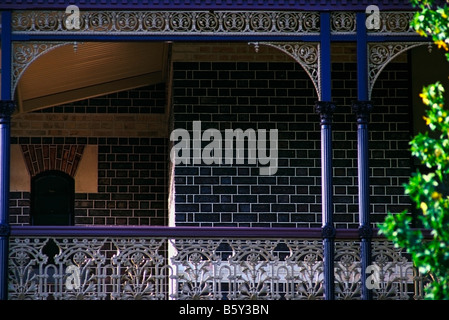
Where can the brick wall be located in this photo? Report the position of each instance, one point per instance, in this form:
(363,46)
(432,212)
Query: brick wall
(130,130)
(134,113)
(391,131)
(229,86)
(262,94)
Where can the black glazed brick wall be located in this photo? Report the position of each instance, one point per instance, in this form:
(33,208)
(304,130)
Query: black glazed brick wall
(259,95)
(132,183)
(133,172)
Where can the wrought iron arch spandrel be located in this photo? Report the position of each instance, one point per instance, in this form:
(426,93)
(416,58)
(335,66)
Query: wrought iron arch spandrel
(306,54)
(381,54)
(24,53)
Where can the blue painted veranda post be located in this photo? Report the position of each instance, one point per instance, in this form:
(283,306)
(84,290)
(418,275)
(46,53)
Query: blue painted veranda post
(6,109)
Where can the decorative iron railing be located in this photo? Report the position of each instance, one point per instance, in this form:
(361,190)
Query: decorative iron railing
(115,263)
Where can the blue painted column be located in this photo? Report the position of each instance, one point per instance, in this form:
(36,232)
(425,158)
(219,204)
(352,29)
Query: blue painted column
(326,109)
(362,108)
(7,107)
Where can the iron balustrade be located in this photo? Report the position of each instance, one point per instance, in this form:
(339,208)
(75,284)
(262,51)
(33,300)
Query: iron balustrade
(114,263)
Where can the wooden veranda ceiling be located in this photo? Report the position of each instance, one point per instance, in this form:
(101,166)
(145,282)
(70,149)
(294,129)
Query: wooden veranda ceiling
(76,72)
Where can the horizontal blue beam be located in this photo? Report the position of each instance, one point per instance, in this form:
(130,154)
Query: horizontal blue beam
(379,38)
(186,232)
(170,232)
(396,38)
(316,5)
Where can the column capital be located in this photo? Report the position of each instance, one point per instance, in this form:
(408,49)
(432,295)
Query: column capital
(7,108)
(326,110)
(362,109)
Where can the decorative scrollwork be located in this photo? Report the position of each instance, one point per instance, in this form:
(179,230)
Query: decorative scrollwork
(192,22)
(254,261)
(395,272)
(260,22)
(392,22)
(48,21)
(195,264)
(306,270)
(127,22)
(234,21)
(97,21)
(187,22)
(24,53)
(347,270)
(139,269)
(154,22)
(287,21)
(85,255)
(26,265)
(311,22)
(380,54)
(181,22)
(196,268)
(207,22)
(343,22)
(307,55)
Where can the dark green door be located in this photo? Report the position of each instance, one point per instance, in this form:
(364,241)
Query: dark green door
(52,199)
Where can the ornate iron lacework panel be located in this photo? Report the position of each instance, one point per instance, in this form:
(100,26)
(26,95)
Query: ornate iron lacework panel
(176,22)
(395,22)
(26,52)
(205,22)
(380,54)
(390,23)
(196,268)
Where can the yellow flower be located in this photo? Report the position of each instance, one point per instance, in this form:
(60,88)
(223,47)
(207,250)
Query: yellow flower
(436,196)
(421,32)
(423,207)
(424,98)
(427,120)
(441,43)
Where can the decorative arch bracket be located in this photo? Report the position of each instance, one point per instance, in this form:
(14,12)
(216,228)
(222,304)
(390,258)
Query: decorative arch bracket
(306,54)
(25,53)
(380,54)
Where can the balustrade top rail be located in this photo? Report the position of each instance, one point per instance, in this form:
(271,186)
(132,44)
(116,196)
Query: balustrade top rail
(183,232)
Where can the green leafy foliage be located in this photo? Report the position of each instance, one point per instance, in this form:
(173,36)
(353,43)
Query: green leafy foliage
(429,192)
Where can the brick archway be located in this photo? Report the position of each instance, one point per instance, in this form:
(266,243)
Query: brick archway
(64,158)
